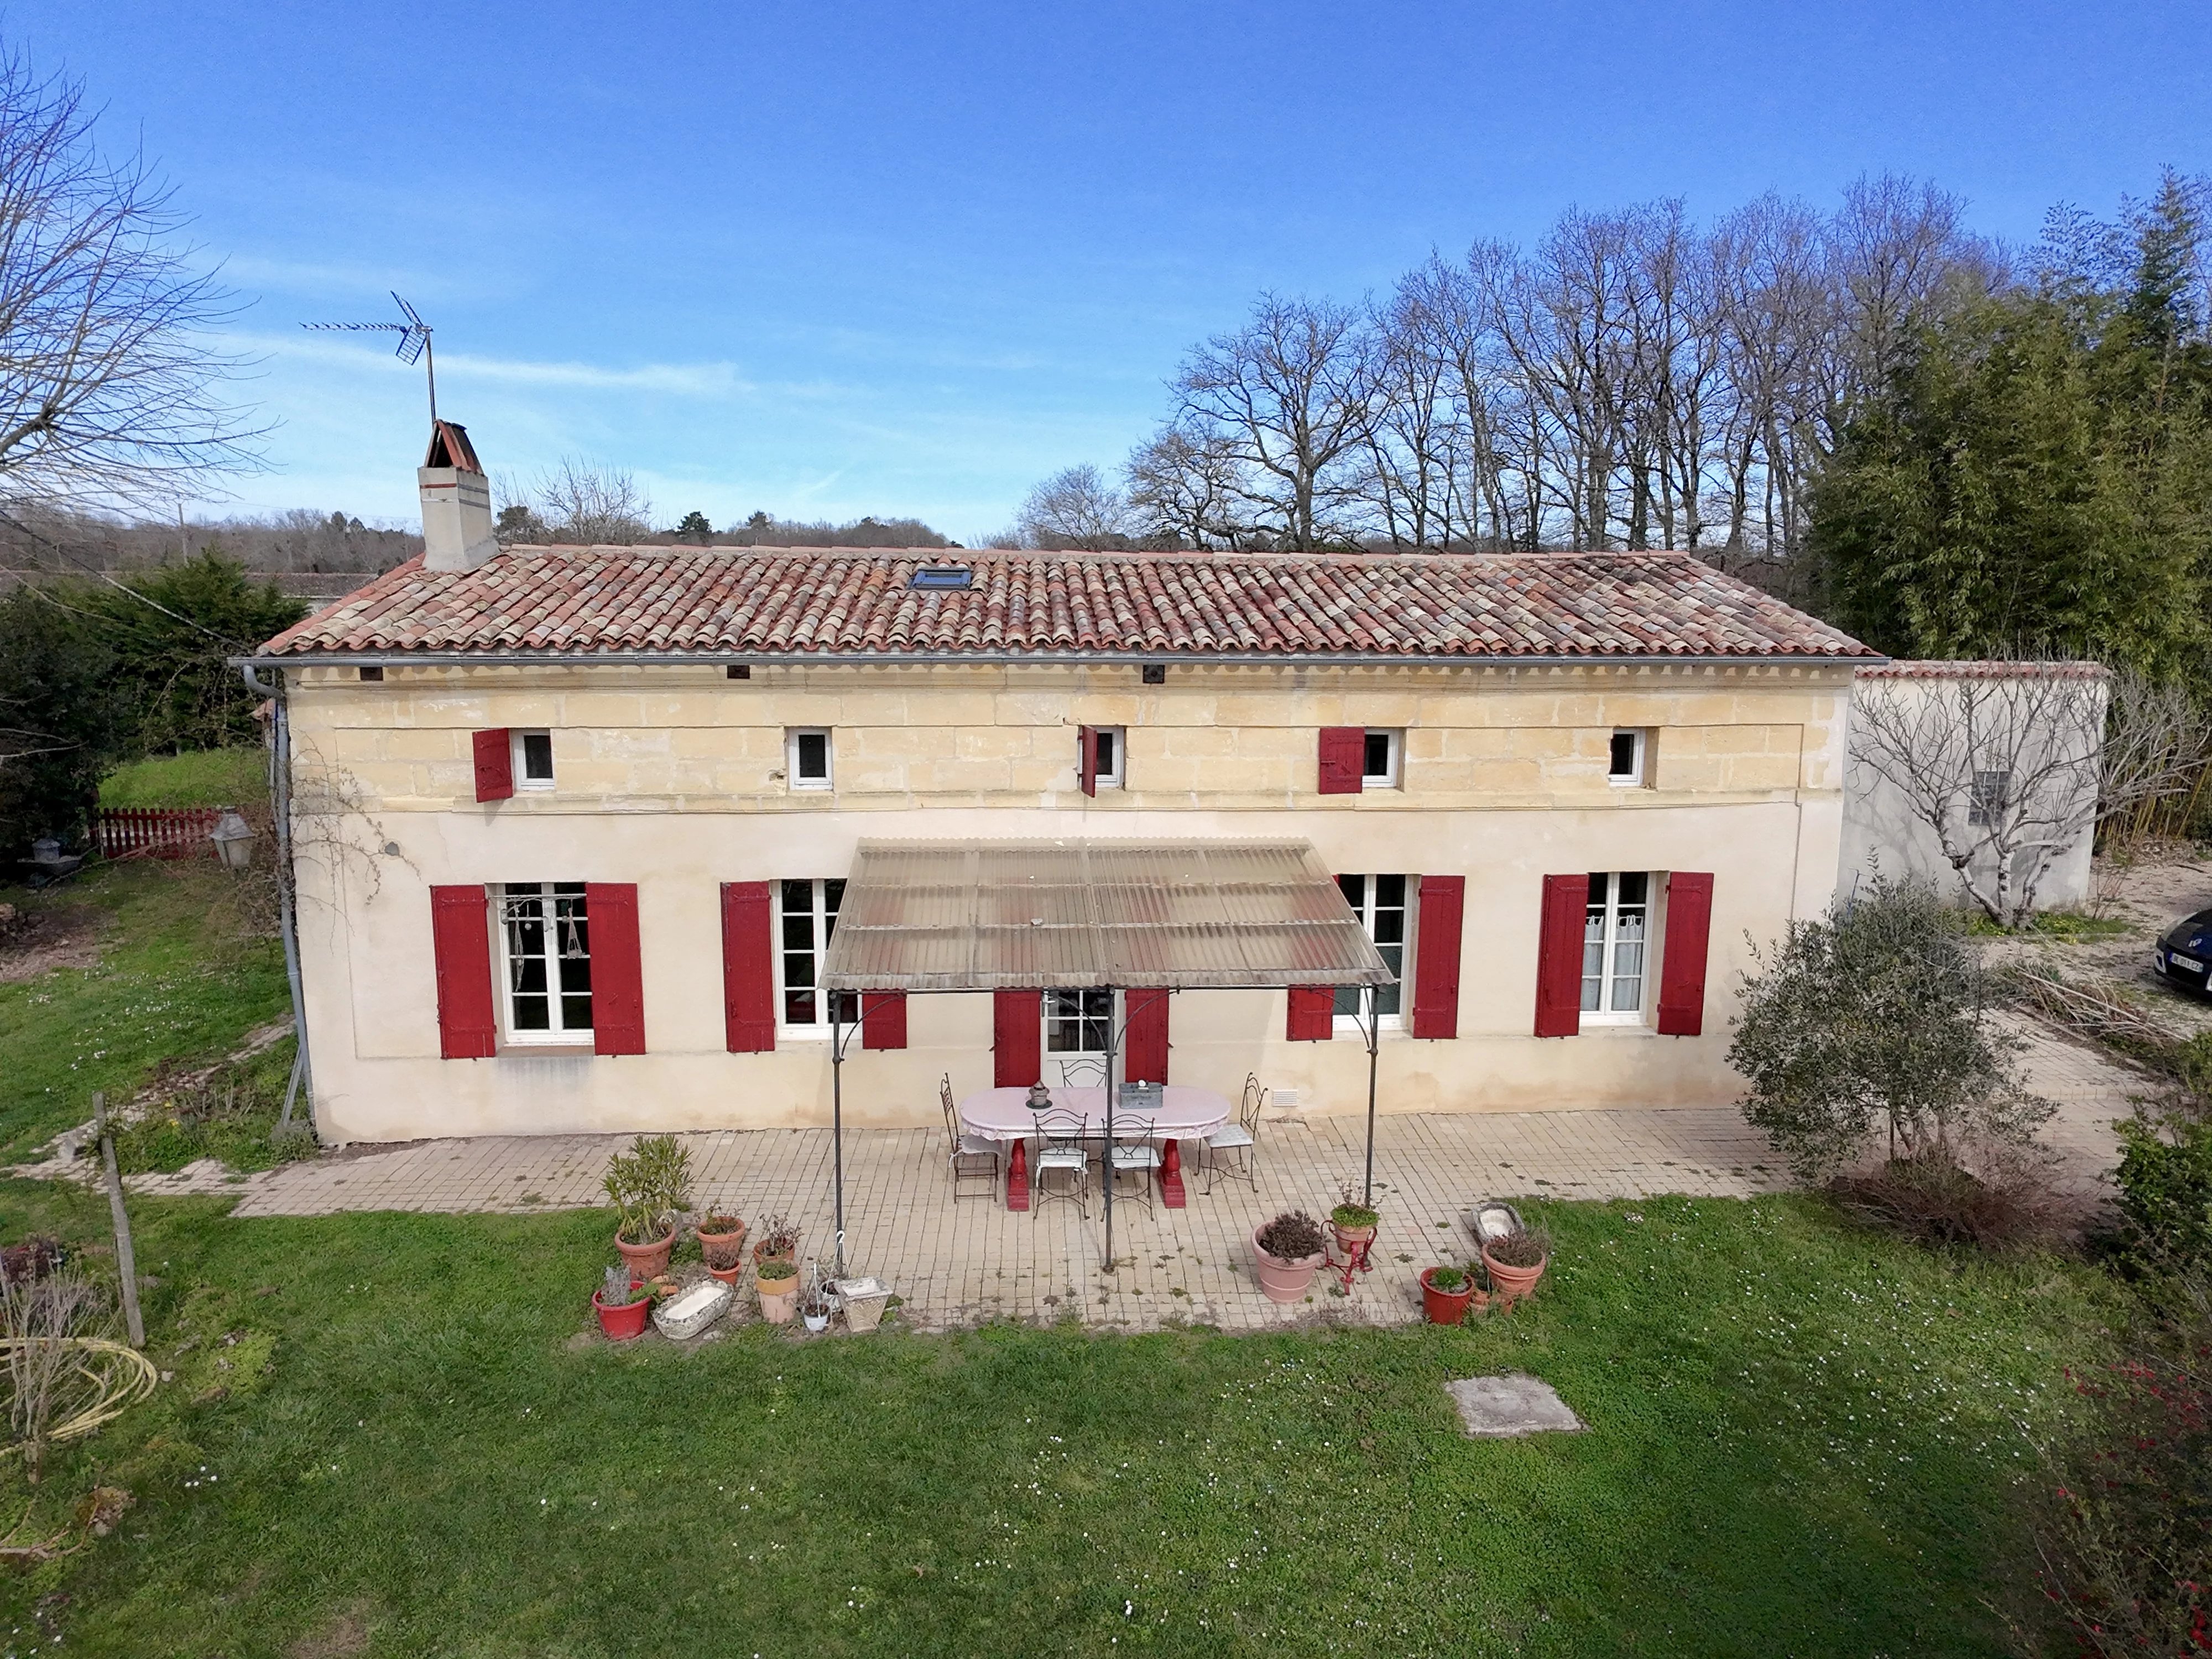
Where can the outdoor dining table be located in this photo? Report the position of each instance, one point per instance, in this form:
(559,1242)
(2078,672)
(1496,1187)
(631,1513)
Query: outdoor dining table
(1181,1114)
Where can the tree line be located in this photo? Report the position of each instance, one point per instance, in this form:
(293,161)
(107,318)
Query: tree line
(1946,446)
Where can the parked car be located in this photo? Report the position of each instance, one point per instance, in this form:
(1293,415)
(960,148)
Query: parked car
(2184,955)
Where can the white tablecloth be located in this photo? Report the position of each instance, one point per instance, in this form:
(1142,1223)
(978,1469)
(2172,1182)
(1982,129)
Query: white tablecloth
(1184,1114)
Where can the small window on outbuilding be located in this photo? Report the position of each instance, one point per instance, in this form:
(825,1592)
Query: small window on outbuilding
(1987,798)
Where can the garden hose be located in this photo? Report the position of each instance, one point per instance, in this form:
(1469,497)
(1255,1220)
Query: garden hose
(116,1387)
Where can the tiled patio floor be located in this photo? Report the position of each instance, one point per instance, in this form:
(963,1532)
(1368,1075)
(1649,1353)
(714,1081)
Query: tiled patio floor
(963,1264)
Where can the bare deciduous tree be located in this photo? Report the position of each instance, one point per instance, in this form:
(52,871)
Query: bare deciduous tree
(1181,490)
(1076,507)
(109,381)
(1289,396)
(2001,762)
(590,505)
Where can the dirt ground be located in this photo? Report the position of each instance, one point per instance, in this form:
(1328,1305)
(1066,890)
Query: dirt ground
(57,936)
(2147,895)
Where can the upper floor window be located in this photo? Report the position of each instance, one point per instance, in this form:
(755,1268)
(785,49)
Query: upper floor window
(1379,901)
(1624,763)
(1110,752)
(532,759)
(807,918)
(545,957)
(1380,754)
(1616,927)
(808,760)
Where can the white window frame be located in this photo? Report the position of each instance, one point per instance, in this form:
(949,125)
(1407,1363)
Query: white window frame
(828,780)
(518,761)
(1395,764)
(820,926)
(1049,1056)
(1345,1025)
(557,1034)
(1611,942)
(1639,762)
(1113,779)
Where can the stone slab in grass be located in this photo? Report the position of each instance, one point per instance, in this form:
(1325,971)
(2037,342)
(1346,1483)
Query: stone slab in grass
(1495,1407)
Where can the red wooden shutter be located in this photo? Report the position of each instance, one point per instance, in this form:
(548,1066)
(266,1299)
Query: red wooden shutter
(1343,759)
(1560,957)
(494,765)
(618,974)
(1313,1014)
(883,1019)
(1145,1059)
(1682,960)
(1016,1038)
(748,967)
(460,942)
(1086,761)
(1436,964)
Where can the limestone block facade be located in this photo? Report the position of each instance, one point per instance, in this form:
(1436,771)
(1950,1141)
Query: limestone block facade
(675,778)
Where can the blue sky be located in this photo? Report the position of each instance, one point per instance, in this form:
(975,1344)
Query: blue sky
(908,258)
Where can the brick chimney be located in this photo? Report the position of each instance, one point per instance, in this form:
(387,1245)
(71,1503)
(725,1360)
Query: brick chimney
(457,533)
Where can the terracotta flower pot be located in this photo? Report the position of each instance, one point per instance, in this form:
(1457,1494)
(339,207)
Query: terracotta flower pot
(647,1261)
(1512,1282)
(778,1306)
(1350,1240)
(723,1250)
(1285,1277)
(727,1275)
(1441,1307)
(761,1252)
(621,1324)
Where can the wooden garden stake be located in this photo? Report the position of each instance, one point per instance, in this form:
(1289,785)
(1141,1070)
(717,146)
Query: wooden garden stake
(124,1259)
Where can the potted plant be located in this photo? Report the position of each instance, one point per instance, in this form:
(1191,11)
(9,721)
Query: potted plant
(776,1282)
(623,1303)
(779,1241)
(650,1186)
(814,1306)
(1354,1223)
(1516,1261)
(722,1242)
(1445,1293)
(1287,1253)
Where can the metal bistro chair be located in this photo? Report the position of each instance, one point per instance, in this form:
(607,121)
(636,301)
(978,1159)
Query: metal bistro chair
(1060,1150)
(1084,1071)
(1241,1138)
(971,1158)
(1133,1152)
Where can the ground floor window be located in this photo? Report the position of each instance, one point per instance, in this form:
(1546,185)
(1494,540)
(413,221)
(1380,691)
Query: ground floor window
(1379,901)
(545,942)
(1615,929)
(807,918)
(1078,1022)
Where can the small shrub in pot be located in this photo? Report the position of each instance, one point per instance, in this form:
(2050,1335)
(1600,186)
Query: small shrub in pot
(1446,1291)
(1286,1251)
(1353,1220)
(650,1186)
(721,1242)
(776,1281)
(622,1304)
(1516,1261)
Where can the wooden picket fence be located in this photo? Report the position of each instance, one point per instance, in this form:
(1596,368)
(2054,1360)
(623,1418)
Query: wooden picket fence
(157,832)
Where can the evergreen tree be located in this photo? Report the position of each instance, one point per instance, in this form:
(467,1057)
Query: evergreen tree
(2038,476)
(58,720)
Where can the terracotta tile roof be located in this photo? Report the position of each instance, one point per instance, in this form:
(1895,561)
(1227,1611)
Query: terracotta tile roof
(609,601)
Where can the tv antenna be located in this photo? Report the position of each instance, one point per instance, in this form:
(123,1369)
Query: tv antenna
(414,343)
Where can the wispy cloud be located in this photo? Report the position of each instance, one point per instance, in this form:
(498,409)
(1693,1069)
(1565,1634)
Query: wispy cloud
(706,380)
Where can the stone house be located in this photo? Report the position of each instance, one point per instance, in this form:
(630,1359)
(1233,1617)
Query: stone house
(576,824)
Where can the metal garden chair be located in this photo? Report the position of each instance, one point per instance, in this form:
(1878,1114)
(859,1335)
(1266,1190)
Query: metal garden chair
(971,1158)
(1061,1151)
(1132,1151)
(1241,1138)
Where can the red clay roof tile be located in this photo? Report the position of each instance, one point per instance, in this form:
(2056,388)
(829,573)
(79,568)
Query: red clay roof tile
(846,602)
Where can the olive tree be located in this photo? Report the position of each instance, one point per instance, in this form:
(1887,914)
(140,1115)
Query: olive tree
(1875,1016)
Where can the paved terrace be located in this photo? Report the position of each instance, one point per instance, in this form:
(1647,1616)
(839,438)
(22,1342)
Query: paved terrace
(961,1264)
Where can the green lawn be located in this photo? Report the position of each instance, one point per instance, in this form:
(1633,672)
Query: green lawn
(176,980)
(388,1434)
(204,777)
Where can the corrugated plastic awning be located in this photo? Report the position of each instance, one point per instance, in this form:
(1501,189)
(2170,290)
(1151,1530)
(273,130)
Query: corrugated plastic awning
(990,915)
